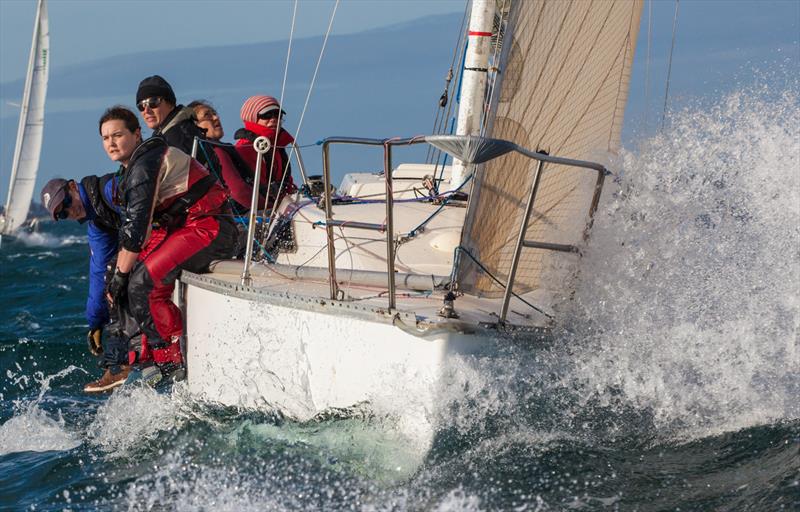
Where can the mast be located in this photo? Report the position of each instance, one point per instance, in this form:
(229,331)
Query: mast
(39,50)
(473,81)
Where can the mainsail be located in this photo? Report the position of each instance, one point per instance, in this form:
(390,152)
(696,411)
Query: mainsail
(31,126)
(564,84)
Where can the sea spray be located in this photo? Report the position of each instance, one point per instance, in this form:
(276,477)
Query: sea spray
(31,428)
(688,302)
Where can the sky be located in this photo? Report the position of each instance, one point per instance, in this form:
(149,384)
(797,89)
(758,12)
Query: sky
(79,37)
(720,45)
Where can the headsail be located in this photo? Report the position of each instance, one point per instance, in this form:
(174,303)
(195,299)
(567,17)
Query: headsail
(565,76)
(31,126)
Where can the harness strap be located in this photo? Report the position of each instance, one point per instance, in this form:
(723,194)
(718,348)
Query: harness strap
(181,205)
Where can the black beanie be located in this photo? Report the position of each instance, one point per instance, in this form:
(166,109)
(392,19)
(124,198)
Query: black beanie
(155,86)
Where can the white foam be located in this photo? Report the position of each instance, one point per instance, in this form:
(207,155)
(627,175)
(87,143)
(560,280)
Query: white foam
(34,430)
(31,428)
(135,415)
(688,299)
(40,239)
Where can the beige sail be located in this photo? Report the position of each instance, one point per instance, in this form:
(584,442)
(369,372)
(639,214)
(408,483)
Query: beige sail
(563,89)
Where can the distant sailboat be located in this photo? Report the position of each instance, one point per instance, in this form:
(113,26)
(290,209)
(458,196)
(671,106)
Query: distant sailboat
(31,127)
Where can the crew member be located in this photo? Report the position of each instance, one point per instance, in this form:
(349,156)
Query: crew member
(90,201)
(174,218)
(262,116)
(174,123)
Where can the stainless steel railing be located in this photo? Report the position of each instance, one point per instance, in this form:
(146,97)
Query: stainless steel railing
(388,226)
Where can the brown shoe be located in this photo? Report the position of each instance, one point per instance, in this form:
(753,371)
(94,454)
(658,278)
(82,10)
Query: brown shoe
(109,380)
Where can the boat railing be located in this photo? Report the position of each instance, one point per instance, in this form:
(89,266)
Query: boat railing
(469,149)
(522,242)
(387,227)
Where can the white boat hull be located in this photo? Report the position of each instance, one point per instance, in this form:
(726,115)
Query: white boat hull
(253,348)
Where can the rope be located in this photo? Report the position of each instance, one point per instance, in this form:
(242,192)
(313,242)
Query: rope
(669,67)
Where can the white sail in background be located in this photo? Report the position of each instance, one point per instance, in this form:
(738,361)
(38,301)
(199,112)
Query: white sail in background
(31,126)
(564,85)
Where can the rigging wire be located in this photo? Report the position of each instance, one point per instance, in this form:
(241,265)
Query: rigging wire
(502,25)
(305,104)
(447,95)
(669,67)
(647,62)
(314,77)
(278,127)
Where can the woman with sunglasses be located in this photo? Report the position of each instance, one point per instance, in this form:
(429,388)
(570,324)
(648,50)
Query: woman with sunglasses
(90,201)
(175,217)
(262,116)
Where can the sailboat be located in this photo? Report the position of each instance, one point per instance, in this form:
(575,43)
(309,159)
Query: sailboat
(366,294)
(31,127)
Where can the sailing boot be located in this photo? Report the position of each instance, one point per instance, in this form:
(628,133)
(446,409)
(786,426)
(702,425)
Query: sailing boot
(113,377)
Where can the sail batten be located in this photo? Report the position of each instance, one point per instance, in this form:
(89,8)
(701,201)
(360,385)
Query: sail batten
(30,130)
(563,89)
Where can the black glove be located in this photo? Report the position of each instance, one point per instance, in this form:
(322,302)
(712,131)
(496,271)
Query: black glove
(94,341)
(117,286)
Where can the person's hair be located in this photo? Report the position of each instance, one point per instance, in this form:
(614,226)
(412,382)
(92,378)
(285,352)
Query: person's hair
(119,113)
(201,103)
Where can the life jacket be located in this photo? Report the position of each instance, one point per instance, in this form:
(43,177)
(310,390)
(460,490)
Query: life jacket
(107,219)
(283,138)
(167,179)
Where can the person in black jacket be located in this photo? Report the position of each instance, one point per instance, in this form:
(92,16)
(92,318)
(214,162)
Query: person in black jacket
(174,123)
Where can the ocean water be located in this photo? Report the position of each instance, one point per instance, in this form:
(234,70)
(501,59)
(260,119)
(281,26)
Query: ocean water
(672,382)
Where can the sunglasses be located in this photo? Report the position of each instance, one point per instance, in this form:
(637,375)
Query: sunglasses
(149,103)
(65,204)
(272,114)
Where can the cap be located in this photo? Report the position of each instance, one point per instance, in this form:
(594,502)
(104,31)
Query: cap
(155,86)
(53,194)
(255,105)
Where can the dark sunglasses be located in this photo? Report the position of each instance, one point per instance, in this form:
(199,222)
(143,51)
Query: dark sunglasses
(65,204)
(149,102)
(272,114)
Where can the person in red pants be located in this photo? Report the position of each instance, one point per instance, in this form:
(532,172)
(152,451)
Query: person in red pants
(175,217)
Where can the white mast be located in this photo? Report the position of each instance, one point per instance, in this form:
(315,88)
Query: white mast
(473,81)
(31,126)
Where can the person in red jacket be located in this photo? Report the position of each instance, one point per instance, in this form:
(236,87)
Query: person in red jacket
(262,116)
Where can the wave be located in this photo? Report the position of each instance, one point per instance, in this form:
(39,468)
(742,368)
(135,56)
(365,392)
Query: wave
(688,300)
(33,429)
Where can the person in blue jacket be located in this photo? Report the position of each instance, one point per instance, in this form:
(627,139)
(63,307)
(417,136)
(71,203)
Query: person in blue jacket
(90,201)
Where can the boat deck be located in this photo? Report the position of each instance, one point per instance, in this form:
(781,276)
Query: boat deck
(417,308)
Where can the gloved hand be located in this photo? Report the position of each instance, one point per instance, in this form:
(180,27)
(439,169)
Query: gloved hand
(117,286)
(94,341)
